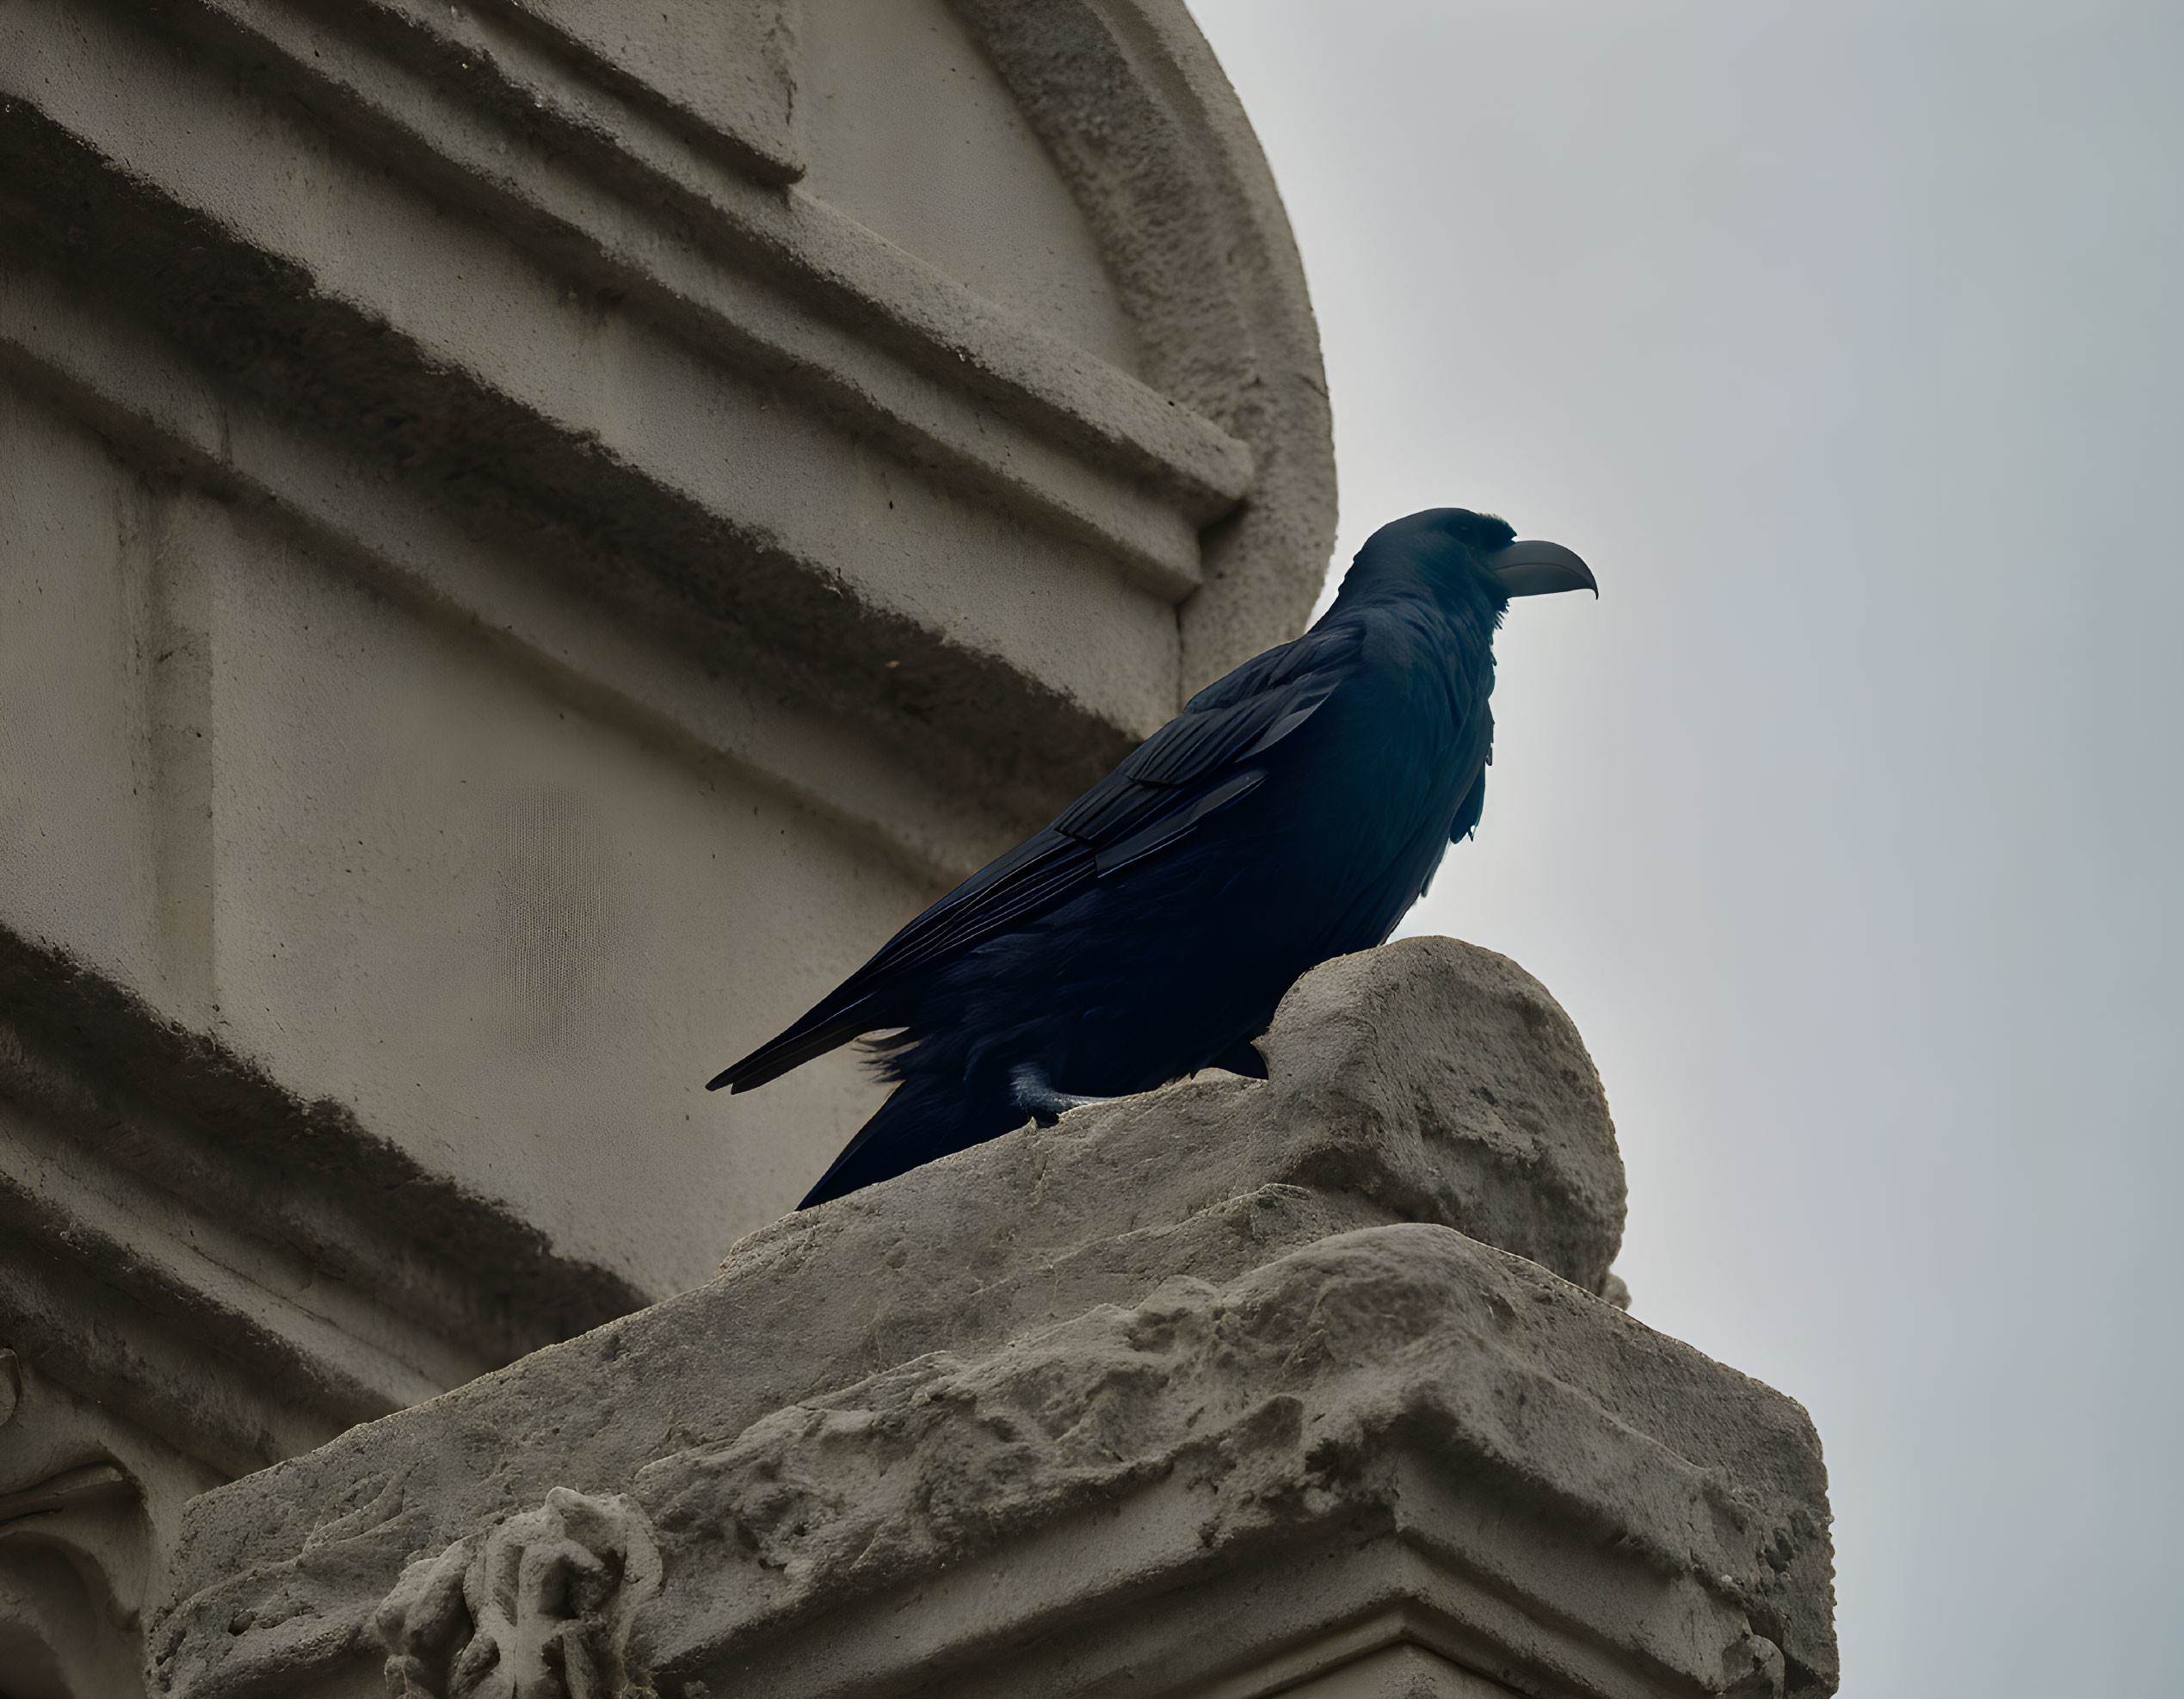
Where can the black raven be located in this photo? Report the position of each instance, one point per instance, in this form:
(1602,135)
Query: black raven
(1291,814)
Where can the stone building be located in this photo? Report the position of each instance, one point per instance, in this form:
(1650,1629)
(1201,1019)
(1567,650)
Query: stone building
(532,535)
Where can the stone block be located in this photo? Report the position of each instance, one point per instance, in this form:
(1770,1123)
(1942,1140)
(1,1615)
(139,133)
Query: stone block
(1219,1389)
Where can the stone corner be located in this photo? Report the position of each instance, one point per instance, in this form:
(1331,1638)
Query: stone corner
(1211,1391)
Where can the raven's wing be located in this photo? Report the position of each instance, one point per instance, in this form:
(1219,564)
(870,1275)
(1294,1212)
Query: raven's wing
(1200,761)
(1478,754)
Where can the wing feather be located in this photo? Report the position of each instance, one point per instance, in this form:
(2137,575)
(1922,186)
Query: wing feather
(1188,769)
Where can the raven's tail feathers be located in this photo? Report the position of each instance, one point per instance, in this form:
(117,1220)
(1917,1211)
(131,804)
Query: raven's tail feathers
(825,1028)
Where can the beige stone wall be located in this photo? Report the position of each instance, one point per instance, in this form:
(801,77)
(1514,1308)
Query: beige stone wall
(532,536)
(462,807)
(411,870)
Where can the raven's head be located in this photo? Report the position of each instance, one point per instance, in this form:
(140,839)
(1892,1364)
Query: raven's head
(1451,550)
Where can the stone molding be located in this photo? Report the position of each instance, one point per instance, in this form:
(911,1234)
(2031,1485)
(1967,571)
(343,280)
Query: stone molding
(722,77)
(1395,1413)
(85,1501)
(1207,1391)
(149,395)
(1140,117)
(244,1274)
(363,312)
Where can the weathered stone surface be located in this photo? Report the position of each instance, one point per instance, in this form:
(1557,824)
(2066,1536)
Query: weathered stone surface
(1374,1113)
(1443,1082)
(544,1601)
(1282,1405)
(1235,1326)
(1401,1387)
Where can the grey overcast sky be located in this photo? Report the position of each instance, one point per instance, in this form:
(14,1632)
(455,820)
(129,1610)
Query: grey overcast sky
(1846,342)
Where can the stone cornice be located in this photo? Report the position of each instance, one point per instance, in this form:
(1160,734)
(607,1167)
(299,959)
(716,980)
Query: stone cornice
(601,189)
(437,237)
(1393,1436)
(1026,1420)
(586,171)
(151,398)
(723,77)
(246,1273)
(1394,1416)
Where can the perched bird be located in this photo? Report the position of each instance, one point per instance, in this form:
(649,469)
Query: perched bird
(1291,814)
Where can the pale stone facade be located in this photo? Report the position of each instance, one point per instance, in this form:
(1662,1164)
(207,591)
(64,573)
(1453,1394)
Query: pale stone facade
(533,533)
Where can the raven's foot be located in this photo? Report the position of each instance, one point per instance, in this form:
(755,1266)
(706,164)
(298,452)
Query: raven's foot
(1041,1101)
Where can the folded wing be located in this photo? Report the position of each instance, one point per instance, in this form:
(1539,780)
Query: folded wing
(1219,749)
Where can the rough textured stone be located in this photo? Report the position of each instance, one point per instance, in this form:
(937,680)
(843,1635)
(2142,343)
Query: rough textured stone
(1371,1114)
(1237,1326)
(1443,1082)
(1281,1405)
(545,1601)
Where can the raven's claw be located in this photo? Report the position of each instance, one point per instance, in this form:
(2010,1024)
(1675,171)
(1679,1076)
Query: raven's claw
(1043,1104)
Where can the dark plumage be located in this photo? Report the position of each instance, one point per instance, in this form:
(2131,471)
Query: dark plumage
(1291,814)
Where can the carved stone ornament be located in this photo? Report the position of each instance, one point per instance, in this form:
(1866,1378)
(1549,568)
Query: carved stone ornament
(75,1542)
(538,1608)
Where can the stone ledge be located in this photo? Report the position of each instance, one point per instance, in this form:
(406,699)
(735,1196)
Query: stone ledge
(734,521)
(499,129)
(725,84)
(1393,1417)
(148,399)
(1398,1383)
(433,238)
(926,317)
(246,1274)
(571,162)
(1026,1415)
(1207,1179)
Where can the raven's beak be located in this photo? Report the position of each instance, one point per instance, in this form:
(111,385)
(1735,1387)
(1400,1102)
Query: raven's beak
(1539,569)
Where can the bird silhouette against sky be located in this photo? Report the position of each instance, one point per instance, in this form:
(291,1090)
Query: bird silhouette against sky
(1291,814)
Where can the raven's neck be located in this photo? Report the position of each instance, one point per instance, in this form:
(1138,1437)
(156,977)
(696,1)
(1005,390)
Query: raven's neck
(1463,607)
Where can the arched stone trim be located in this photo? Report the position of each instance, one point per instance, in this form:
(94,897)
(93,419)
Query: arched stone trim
(1150,136)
